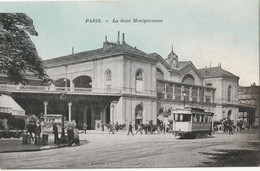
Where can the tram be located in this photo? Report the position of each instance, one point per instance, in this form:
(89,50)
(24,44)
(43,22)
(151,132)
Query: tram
(192,122)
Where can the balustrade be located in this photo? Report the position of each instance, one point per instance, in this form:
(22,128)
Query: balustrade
(28,88)
(176,91)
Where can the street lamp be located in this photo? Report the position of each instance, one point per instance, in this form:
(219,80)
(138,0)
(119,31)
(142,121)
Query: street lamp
(62,97)
(183,94)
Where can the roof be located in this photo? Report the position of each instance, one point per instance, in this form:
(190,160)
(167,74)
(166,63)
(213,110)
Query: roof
(6,101)
(216,72)
(182,64)
(109,49)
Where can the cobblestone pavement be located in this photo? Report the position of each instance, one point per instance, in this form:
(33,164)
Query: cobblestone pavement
(141,151)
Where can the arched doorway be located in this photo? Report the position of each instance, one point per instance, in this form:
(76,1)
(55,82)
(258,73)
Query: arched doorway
(108,114)
(229,114)
(89,118)
(83,82)
(139,114)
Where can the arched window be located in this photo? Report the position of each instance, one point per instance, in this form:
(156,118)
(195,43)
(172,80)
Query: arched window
(139,81)
(159,74)
(188,79)
(82,81)
(108,75)
(108,81)
(229,114)
(139,114)
(229,94)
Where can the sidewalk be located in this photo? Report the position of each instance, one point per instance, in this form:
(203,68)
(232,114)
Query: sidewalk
(9,145)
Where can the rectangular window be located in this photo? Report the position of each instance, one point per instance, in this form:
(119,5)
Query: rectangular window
(108,87)
(139,86)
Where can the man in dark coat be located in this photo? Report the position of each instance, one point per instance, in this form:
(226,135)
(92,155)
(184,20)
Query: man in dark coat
(55,132)
(130,128)
(70,133)
(38,129)
(30,129)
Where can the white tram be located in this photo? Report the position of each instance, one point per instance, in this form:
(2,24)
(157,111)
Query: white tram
(192,122)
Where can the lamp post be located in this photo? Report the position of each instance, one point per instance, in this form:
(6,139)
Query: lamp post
(63,98)
(183,94)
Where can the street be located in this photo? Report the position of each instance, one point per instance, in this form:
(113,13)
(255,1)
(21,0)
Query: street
(143,151)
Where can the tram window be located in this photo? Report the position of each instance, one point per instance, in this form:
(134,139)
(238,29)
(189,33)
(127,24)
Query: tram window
(194,119)
(202,118)
(210,118)
(176,117)
(206,119)
(186,117)
(198,118)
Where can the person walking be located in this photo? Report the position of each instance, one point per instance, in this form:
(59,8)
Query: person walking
(111,128)
(55,132)
(139,129)
(102,126)
(130,128)
(85,126)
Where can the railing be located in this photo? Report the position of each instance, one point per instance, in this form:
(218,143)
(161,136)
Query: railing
(27,88)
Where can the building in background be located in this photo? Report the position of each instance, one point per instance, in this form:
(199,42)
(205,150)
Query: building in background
(120,83)
(249,95)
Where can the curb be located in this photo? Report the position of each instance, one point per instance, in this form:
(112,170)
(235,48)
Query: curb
(40,149)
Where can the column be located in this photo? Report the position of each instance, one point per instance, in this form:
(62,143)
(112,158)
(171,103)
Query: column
(45,107)
(198,95)
(204,96)
(190,94)
(212,96)
(182,89)
(72,85)
(123,110)
(173,92)
(70,104)
(165,93)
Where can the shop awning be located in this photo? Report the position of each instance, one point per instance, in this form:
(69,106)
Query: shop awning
(8,105)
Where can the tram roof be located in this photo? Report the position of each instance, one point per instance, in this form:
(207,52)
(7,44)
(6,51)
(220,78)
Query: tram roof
(189,111)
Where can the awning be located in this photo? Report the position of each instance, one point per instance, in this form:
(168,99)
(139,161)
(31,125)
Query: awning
(8,105)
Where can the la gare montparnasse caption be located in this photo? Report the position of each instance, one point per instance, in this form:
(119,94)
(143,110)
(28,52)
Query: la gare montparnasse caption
(97,20)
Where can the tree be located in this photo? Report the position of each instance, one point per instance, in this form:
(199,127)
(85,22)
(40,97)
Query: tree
(17,52)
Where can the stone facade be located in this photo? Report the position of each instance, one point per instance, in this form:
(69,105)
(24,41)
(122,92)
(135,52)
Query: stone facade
(148,86)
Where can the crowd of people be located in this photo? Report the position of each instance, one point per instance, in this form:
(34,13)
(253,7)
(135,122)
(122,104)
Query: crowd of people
(229,126)
(140,128)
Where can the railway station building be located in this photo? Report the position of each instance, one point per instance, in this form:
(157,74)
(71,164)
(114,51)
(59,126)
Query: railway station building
(120,83)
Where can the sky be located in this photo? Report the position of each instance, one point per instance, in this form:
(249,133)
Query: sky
(206,32)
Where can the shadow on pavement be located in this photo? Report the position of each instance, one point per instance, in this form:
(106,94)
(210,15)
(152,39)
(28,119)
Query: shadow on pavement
(233,158)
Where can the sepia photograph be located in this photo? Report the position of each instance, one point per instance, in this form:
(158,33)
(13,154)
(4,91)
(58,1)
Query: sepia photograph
(109,84)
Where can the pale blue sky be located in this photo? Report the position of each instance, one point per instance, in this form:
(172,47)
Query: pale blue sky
(201,31)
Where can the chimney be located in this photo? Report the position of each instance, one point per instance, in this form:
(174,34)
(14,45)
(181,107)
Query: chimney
(123,38)
(72,50)
(118,36)
(106,38)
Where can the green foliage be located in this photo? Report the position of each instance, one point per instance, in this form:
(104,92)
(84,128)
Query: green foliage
(17,52)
